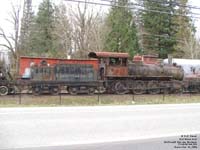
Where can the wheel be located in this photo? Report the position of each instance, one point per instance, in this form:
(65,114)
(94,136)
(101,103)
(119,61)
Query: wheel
(121,88)
(13,90)
(3,90)
(101,90)
(198,89)
(177,87)
(153,87)
(139,87)
(111,88)
(54,90)
(165,87)
(91,90)
(36,90)
(73,90)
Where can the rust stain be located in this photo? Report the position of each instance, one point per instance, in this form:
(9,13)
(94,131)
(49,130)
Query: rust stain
(117,71)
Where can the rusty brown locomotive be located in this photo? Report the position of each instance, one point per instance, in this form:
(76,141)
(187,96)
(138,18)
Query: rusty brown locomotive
(121,76)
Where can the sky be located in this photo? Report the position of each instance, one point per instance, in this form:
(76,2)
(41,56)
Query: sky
(5,8)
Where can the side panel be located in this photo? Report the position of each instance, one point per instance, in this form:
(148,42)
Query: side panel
(26,62)
(42,73)
(75,73)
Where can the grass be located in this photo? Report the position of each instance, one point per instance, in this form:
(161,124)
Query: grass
(86,100)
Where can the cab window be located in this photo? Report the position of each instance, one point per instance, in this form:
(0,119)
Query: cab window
(118,61)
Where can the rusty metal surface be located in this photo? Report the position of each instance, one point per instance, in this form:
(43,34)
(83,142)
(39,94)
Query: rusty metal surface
(75,72)
(65,72)
(25,62)
(43,73)
(117,71)
(146,59)
(108,54)
(153,70)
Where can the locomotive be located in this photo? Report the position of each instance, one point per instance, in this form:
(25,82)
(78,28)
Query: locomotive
(121,76)
(104,72)
(53,75)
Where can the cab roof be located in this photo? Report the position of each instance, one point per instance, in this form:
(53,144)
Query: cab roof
(107,55)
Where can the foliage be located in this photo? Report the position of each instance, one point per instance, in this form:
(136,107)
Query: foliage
(160,27)
(42,38)
(122,36)
(88,30)
(187,42)
(58,31)
(25,30)
(163,27)
(62,33)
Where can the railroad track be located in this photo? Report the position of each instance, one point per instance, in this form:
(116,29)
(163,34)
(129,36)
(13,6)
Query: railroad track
(96,94)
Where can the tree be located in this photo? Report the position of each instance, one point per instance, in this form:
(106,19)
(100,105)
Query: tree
(191,48)
(62,33)
(122,34)
(159,27)
(11,42)
(185,32)
(42,38)
(87,30)
(26,26)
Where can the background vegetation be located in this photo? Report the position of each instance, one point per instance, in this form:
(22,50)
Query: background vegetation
(153,27)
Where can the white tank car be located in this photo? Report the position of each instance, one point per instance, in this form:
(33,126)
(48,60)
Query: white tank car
(190,66)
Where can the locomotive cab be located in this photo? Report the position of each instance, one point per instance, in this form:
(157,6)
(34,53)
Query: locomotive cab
(117,67)
(112,64)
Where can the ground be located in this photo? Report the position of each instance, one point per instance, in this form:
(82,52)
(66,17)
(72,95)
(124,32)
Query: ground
(86,100)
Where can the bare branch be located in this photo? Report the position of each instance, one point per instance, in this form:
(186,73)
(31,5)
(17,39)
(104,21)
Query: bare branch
(86,30)
(6,46)
(2,33)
